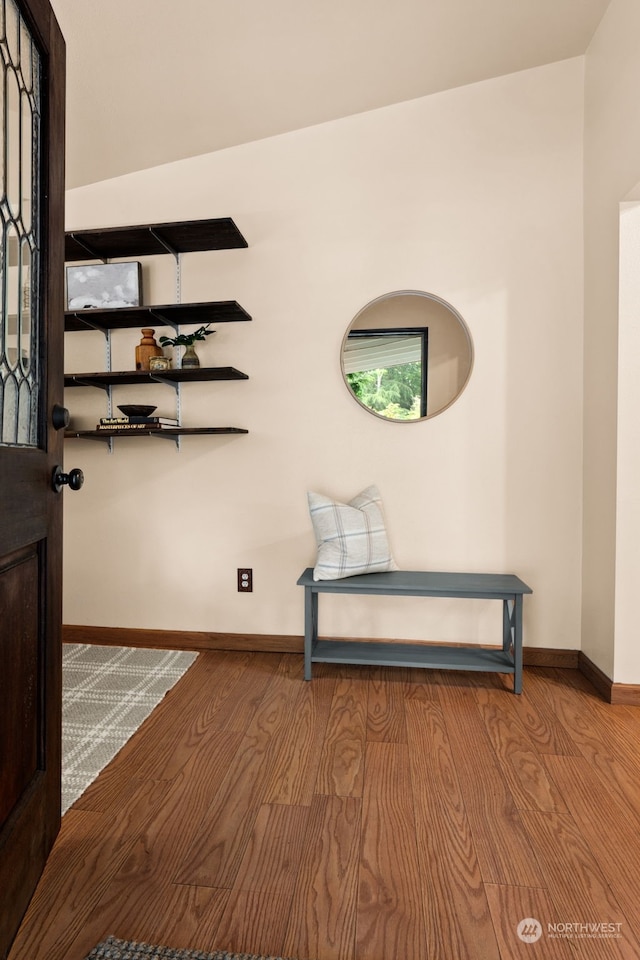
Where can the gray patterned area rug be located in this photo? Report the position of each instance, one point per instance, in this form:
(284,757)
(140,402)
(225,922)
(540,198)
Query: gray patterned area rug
(107,692)
(112,949)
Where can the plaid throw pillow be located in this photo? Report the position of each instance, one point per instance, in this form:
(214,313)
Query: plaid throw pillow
(351,537)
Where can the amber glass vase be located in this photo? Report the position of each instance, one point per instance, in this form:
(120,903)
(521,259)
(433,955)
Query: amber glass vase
(146,349)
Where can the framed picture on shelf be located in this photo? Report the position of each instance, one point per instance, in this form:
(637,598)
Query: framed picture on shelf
(104,286)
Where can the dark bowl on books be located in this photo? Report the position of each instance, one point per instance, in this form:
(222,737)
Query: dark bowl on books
(137,409)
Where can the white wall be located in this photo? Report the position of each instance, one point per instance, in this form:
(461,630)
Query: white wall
(474,195)
(627,656)
(612,168)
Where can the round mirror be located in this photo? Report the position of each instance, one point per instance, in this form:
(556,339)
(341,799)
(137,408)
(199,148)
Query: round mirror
(407,356)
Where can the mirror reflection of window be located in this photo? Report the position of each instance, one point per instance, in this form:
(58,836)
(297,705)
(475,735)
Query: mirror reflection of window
(442,356)
(387,371)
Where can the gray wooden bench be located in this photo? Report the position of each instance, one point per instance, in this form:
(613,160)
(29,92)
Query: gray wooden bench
(410,583)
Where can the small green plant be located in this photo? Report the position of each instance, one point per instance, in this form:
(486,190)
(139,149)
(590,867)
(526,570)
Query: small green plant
(187,339)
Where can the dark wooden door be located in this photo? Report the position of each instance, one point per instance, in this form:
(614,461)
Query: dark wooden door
(32,61)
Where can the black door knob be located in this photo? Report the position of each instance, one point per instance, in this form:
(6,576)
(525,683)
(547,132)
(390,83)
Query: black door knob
(74,479)
(60,417)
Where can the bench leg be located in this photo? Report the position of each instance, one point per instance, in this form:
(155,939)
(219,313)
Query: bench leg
(507,624)
(310,627)
(512,636)
(517,644)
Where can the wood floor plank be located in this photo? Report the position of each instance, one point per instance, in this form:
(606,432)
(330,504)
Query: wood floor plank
(511,905)
(272,855)
(610,828)
(458,922)
(173,731)
(185,917)
(501,842)
(162,840)
(473,679)
(169,836)
(138,880)
(153,836)
(624,719)
(269,869)
(544,729)
(219,840)
(111,791)
(389,897)
(608,744)
(322,918)
(528,780)
(341,768)
(87,854)
(235,710)
(298,759)
(577,885)
(421,686)
(385,707)
(341,671)
(255,923)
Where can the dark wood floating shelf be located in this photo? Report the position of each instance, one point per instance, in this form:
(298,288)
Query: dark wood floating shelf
(188,236)
(121,243)
(127,377)
(171,314)
(167,433)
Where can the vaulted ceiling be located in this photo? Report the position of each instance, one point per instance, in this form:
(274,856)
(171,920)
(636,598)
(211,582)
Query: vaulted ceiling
(152,81)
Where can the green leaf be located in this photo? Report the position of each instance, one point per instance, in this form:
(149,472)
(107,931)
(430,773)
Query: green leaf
(186,339)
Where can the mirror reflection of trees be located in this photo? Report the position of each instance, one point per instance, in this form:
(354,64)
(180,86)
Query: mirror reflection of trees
(393,392)
(387,371)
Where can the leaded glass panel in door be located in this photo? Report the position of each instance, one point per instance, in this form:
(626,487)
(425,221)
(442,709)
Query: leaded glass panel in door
(20,132)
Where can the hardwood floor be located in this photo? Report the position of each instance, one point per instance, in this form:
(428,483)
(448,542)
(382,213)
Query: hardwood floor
(372,814)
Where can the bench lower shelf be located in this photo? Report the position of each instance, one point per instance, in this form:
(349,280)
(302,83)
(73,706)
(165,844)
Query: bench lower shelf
(430,655)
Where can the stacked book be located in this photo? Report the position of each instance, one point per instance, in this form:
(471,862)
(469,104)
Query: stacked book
(125,424)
